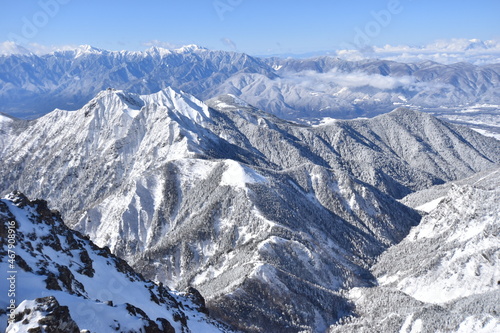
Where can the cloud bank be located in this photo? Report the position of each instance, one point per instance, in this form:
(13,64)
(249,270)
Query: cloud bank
(474,51)
(9,48)
(331,81)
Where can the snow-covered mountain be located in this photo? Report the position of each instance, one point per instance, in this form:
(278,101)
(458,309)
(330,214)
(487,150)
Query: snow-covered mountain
(267,218)
(62,282)
(445,275)
(32,85)
(305,89)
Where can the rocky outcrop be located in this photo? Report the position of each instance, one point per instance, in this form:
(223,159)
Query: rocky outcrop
(43,315)
(75,285)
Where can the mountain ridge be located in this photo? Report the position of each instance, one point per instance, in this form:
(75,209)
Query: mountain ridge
(235,201)
(295,89)
(443,275)
(63,282)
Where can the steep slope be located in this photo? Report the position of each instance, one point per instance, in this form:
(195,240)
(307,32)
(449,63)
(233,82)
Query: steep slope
(398,152)
(426,200)
(445,274)
(267,218)
(59,281)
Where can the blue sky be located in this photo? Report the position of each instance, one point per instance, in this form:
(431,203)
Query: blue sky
(251,26)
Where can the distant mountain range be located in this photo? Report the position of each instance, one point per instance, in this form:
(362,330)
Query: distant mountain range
(270,220)
(294,89)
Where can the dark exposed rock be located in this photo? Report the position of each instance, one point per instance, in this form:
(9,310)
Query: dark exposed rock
(151,326)
(21,263)
(52,282)
(55,318)
(87,269)
(180,317)
(165,325)
(19,199)
(197,299)
(49,243)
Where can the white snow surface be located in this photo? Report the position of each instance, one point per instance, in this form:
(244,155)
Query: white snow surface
(466,227)
(87,302)
(429,206)
(443,277)
(239,175)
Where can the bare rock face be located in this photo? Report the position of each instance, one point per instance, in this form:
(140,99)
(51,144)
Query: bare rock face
(43,315)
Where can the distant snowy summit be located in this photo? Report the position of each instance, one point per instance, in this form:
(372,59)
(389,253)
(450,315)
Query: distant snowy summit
(11,48)
(305,90)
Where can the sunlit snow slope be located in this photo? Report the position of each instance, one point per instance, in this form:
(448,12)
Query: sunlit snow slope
(445,275)
(267,218)
(65,283)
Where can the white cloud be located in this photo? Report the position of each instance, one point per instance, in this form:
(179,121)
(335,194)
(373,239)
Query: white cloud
(324,81)
(44,49)
(229,42)
(474,51)
(335,81)
(165,45)
(8,48)
(358,79)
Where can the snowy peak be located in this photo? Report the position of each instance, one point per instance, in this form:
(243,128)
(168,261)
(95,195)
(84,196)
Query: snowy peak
(328,87)
(178,102)
(190,48)
(236,202)
(181,103)
(87,50)
(158,51)
(67,272)
(111,100)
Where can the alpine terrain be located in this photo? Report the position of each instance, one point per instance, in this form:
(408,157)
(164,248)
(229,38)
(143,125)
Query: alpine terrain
(65,283)
(444,275)
(272,221)
(306,90)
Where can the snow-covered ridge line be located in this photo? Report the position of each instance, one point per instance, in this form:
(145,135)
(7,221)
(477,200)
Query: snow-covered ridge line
(10,48)
(64,282)
(444,275)
(236,201)
(295,89)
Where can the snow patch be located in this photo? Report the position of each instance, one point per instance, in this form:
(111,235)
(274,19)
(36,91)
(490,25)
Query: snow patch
(431,205)
(238,175)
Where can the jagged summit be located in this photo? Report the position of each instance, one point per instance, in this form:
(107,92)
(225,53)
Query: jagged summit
(111,101)
(162,51)
(190,48)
